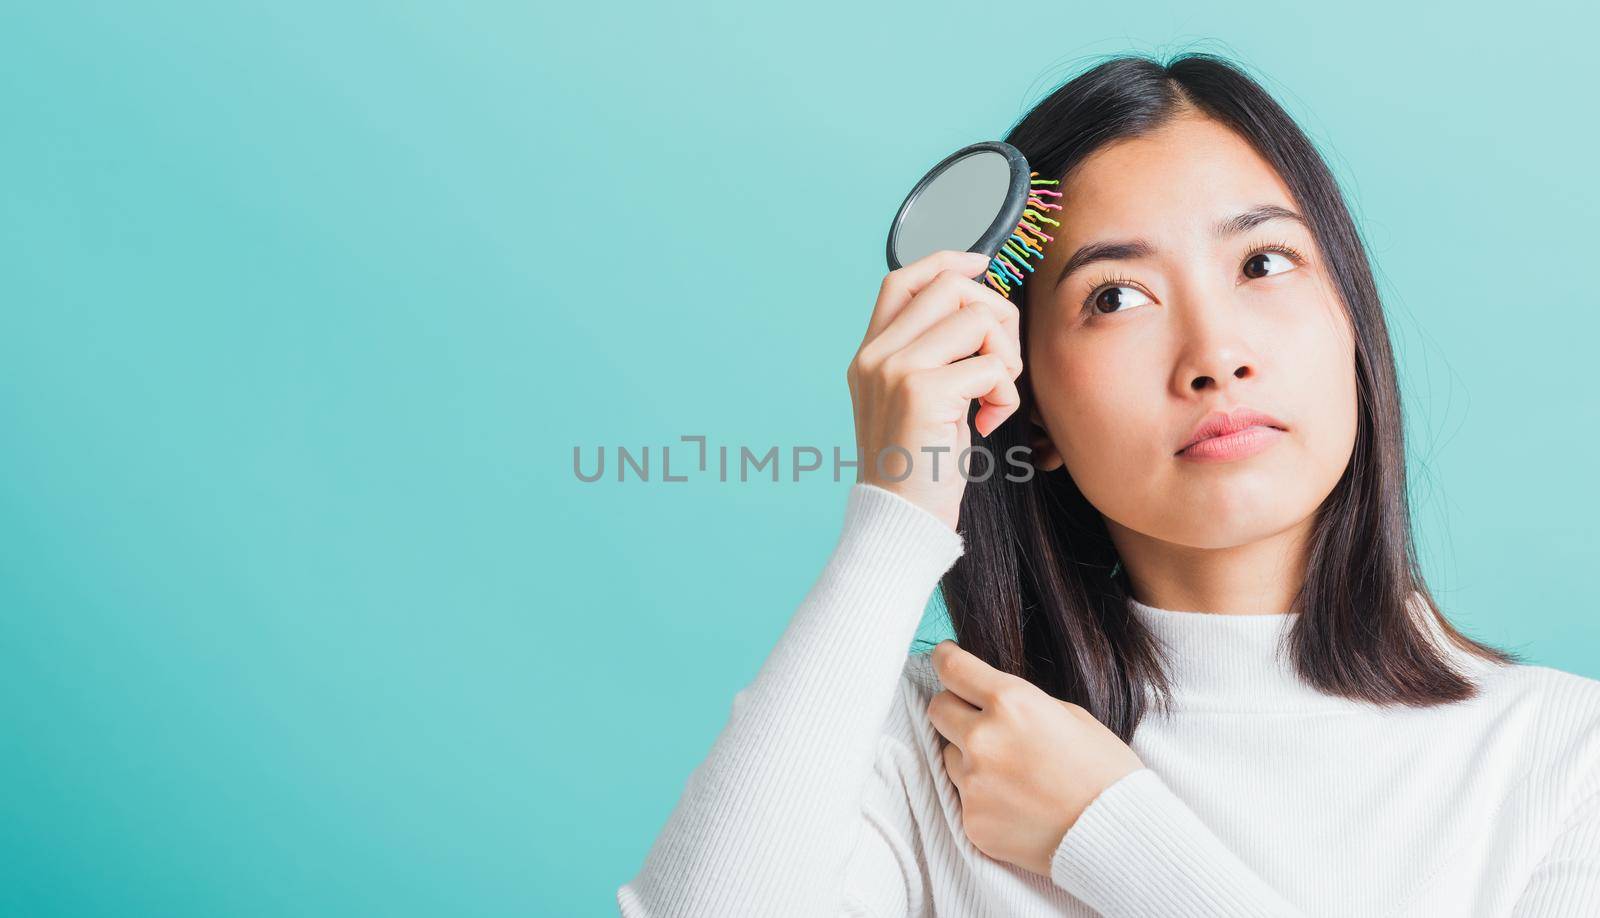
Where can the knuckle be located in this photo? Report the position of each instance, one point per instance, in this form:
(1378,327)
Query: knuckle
(1010,697)
(894,366)
(990,320)
(976,781)
(892,284)
(867,362)
(976,311)
(1002,308)
(981,744)
(856,375)
(915,385)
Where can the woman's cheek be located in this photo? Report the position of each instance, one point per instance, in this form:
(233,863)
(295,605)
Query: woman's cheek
(1324,397)
(1098,412)
(1068,386)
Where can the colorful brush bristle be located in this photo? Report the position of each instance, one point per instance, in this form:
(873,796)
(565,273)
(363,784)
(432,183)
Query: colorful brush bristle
(1011,261)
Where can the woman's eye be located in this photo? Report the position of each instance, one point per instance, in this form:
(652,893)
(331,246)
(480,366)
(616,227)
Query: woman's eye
(1263,264)
(1113,299)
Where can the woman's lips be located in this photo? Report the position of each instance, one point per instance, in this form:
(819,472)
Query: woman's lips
(1237,445)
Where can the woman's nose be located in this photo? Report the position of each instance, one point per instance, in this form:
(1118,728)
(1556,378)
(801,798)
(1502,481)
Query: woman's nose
(1214,352)
(1217,379)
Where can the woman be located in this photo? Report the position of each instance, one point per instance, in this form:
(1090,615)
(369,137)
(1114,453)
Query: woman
(1198,672)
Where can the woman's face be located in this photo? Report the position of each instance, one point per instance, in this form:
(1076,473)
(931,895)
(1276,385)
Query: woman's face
(1129,352)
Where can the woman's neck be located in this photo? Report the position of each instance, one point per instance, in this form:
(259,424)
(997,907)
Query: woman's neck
(1257,576)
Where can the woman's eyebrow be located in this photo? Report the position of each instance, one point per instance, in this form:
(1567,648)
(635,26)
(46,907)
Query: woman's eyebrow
(1128,249)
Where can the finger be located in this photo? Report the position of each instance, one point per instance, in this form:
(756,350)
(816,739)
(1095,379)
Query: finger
(971,329)
(952,716)
(998,404)
(901,284)
(964,673)
(955,765)
(983,377)
(945,295)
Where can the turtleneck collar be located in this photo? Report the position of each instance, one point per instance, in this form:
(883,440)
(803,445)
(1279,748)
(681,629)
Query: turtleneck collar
(1229,662)
(1241,662)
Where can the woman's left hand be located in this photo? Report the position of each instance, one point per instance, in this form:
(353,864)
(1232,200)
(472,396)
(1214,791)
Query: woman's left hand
(1026,764)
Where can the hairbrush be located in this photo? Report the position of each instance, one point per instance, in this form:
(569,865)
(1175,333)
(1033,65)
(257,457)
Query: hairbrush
(981,198)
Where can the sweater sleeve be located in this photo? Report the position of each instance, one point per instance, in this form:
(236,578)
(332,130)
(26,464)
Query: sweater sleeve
(771,822)
(1138,849)
(1566,881)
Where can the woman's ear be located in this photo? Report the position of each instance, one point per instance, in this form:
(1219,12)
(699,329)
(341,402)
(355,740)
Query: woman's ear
(1045,456)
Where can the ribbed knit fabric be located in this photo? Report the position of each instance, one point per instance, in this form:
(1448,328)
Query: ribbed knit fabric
(825,794)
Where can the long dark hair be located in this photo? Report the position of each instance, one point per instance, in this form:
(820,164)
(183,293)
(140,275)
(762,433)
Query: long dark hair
(1037,592)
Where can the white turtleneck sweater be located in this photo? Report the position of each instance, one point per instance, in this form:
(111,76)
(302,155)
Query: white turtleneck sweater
(825,793)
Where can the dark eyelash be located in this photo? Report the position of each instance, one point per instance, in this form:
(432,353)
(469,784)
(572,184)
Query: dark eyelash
(1108,280)
(1282,248)
(1105,281)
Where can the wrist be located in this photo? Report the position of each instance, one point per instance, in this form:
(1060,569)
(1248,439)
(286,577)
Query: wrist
(939,507)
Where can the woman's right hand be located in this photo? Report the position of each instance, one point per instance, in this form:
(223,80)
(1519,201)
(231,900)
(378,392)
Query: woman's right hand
(937,340)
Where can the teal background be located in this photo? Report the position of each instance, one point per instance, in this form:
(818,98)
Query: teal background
(304,306)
